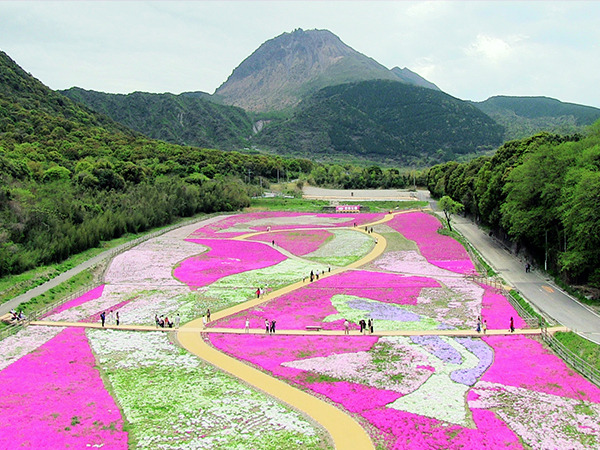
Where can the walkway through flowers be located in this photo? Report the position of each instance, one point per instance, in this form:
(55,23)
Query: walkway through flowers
(397,388)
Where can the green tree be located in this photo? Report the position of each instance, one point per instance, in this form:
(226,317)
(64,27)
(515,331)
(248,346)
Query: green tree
(450,207)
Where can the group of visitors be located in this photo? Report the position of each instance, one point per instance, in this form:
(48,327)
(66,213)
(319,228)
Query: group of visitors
(163,321)
(112,318)
(314,274)
(366,327)
(16,316)
(261,291)
(482,325)
(269,326)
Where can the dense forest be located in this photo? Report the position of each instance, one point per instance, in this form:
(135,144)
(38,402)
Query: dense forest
(543,192)
(185,119)
(386,121)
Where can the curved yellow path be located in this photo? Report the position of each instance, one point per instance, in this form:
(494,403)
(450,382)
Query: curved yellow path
(344,430)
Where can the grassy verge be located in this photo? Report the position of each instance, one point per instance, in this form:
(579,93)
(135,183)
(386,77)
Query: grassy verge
(525,305)
(586,350)
(286,204)
(480,263)
(303,205)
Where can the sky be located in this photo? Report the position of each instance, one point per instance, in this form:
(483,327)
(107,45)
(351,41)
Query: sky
(470,49)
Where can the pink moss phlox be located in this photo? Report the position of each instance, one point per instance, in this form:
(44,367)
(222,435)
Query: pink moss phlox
(223,259)
(497,310)
(311,304)
(384,287)
(90,295)
(439,250)
(410,431)
(523,362)
(215,230)
(270,352)
(55,397)
(96,316)
(355,397)
(296,242)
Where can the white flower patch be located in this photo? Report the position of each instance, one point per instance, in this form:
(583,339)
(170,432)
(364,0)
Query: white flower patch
(111,295)
(166,301)
(284,221)
(397,367)
(410,262)
(542,420)
(440,397)
(242,286)
(23,342)
(346,247)
(151,262)
(173,400)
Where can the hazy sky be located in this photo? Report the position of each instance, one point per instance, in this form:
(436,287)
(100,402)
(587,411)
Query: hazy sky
(470,49)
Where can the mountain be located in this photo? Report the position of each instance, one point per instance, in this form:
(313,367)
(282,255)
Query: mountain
(185,119)
(525,116)
(291,66)
(408,76)
(385,121)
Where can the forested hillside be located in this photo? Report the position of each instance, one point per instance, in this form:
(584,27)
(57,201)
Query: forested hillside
(185,119)
(525,116)
(543,191)
(70,178)
(383,121)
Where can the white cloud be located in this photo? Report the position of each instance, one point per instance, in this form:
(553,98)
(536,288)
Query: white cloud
(492,49)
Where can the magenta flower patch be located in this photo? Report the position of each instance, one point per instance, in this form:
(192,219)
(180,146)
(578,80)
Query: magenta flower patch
(312,304)
(299,243)
(523,362)
(497,311)
(225,257)
(442,251)
(90,295)
(262,221)
(55,397)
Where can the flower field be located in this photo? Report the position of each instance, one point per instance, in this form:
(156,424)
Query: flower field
(114,389)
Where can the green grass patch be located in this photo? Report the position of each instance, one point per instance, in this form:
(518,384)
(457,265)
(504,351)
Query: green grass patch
(525,305)
(586,350)
(286,204)
(387,205)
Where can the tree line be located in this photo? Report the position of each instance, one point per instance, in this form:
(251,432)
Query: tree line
(542,192)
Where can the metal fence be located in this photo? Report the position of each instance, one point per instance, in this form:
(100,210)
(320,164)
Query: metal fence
(36,315)
(578,364)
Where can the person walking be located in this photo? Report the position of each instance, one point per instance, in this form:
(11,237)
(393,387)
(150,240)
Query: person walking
(118,319)
(479,324)
(204,321)
(102,318)
(370,324)
(257,292)
(247,326)
(177,320)
(208,315)
(272,330)
(484,326)
(346,326)
(267,326)
(512,325)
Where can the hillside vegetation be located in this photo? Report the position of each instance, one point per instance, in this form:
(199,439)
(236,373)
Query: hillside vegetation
(184,119)
(386,121)
(526,116)
(70,178)
(543,192)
